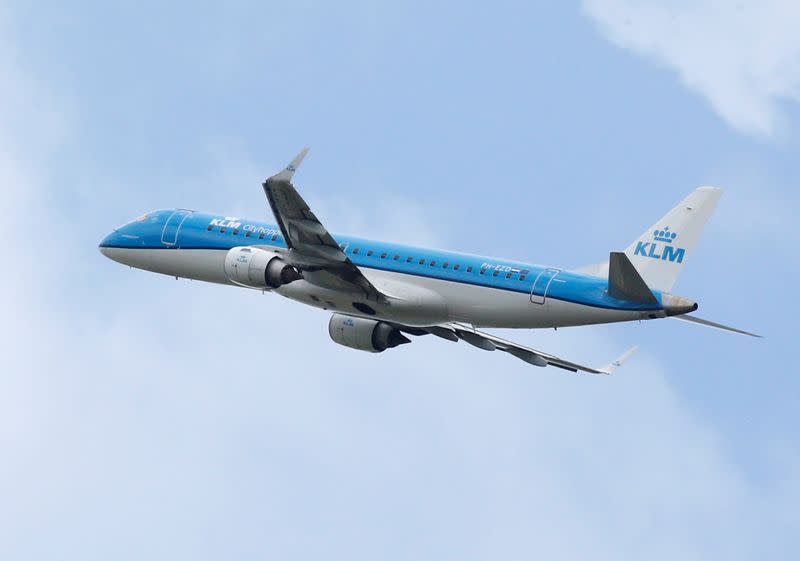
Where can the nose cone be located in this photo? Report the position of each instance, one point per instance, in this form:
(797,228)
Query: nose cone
(677,305)
(112,247)
(107,243)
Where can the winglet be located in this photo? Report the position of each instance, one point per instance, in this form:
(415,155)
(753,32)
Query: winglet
(287,172)
(617,363)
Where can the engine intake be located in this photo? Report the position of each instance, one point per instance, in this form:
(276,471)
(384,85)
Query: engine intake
(364,334)
(257,268)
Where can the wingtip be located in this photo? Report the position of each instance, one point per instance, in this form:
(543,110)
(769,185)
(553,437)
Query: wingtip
(288,172)
(619,361)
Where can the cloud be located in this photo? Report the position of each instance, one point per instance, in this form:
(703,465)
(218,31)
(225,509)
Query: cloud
(742,57)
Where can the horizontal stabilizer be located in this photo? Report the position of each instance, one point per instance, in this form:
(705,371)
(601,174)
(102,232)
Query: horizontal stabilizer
(707,323)
(625,282)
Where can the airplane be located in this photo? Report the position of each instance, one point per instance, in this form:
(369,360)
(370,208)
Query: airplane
(381,293)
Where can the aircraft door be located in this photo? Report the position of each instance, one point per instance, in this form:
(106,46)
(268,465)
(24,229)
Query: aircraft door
(172,227)
(541,284)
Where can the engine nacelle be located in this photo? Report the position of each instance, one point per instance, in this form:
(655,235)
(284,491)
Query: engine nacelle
(364,334)
(257,268)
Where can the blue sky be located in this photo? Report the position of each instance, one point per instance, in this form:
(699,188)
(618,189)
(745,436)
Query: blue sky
(142,417)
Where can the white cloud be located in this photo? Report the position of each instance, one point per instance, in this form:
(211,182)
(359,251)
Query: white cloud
(743,57)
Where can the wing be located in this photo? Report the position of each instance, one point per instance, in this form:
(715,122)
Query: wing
(312,249)
(488,342)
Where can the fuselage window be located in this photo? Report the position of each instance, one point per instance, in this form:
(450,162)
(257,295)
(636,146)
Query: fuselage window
(396,257)
(483,271)
(355,251)
(261,236)
(469,269)
(445,265)
(383,255)
(236,232)
(274,237)
(495,273)
(222,229)
(508,275)
(369,253)
(433,263)
(210,227)
(522,277)
(248,234)
(409,259)
(421,261)
(456,267)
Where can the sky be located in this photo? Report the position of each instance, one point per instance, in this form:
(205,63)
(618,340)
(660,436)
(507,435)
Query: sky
(143,417)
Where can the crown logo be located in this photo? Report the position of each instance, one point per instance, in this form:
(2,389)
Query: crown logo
(664,235)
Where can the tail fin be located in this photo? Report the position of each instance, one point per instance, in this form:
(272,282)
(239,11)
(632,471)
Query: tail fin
(660,253)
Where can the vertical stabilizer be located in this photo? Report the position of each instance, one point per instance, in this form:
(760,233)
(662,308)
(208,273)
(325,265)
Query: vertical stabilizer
(661,252)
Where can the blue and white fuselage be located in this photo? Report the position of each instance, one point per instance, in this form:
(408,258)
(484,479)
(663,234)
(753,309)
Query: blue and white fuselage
(480,291)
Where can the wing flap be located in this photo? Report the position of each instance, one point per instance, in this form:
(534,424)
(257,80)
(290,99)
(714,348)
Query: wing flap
(489,342)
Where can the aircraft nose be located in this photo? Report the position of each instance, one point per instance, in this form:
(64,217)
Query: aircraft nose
(107,244)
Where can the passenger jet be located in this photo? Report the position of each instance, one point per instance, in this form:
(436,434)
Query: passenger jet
(381,293)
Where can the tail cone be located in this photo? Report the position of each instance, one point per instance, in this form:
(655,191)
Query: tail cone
(677,305)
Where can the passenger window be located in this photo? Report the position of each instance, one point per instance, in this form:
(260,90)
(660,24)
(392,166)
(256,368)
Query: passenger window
(433,263)
(369,253)
(409,259)
(469,269)
(396,257)
(274,237)
(248,234)
(355,251)
(210,227)
(383,256)
(522,277)
(222,229)
(445,265)
(495,273)
(421,261)
(236,232)
(261,236)
(456,267)
(483,271)
(508,275)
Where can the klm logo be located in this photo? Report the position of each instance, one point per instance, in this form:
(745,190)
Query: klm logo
(228,222)
(661,248)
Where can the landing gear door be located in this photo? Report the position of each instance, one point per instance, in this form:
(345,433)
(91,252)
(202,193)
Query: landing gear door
(542,284)
(169,236)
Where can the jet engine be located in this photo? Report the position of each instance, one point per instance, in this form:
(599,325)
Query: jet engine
(364,334)
(250,266)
